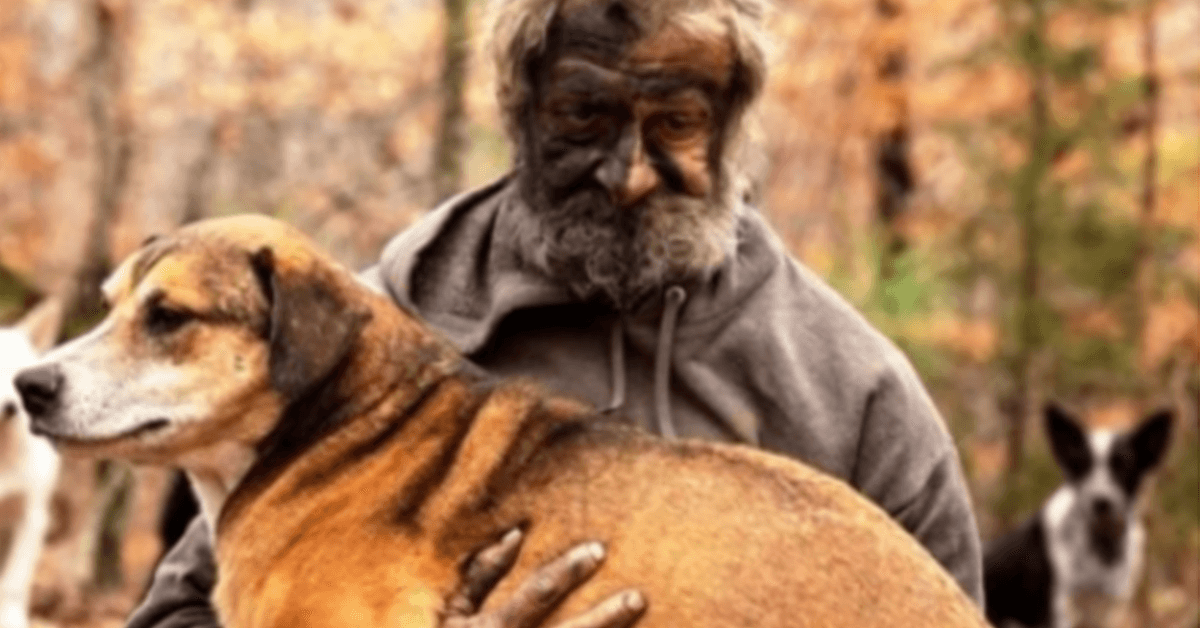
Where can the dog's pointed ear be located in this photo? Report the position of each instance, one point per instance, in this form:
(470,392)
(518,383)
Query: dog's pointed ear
(43,323)
(1150,439)
(310,329)
(1068,442)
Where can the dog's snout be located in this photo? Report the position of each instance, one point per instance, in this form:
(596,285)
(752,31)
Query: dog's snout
(1103,508)
(40,387)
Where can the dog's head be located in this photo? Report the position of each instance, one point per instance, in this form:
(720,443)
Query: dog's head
(1105,469)
(211,333)
(20,346)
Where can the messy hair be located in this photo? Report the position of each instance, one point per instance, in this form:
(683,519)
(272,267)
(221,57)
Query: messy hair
(519,30)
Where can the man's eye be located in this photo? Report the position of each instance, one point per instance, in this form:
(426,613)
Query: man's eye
(677,127)
(578,118)
(582,115)
(161,320)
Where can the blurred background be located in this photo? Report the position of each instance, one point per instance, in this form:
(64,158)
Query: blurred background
(1010,189)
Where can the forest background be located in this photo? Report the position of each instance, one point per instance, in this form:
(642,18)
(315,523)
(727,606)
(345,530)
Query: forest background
(1010,189)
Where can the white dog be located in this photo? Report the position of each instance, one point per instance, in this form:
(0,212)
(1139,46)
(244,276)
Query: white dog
(28,464)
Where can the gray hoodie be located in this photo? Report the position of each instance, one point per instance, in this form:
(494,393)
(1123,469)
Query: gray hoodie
(761,352)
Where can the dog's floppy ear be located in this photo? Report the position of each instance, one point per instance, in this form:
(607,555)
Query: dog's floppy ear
(311,327)
(1150,439)
(43,323)
(1068,442)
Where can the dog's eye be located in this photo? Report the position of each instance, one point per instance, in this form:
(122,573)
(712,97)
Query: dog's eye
(161,319)
(8,411)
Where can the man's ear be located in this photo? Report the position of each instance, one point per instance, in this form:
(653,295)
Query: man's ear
(43,323)
(311,326)
(1150,439)
(1068,442)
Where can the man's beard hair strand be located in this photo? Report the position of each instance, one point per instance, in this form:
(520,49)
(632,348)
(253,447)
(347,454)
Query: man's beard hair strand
(623,255)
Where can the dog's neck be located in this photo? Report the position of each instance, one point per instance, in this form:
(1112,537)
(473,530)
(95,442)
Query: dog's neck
(213,483)
(394,363)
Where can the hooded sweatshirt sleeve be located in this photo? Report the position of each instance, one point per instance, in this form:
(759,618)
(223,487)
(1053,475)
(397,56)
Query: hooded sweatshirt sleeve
(178,594)
(908,464)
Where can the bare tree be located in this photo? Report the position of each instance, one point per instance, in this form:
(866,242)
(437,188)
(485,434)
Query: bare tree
(451,138)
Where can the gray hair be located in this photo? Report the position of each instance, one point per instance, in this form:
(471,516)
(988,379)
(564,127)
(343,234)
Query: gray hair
(519,29)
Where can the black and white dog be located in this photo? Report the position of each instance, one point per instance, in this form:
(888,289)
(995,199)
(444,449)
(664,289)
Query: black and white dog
(1078,560)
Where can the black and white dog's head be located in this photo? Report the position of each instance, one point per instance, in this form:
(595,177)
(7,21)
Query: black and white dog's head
(1104,470)
(1077,561)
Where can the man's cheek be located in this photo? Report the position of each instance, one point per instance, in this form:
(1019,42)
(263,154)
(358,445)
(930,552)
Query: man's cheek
(694,169)
(566,166)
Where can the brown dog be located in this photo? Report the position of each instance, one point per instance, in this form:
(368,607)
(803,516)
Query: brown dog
(348,459)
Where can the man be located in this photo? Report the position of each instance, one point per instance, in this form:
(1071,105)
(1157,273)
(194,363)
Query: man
(618,263)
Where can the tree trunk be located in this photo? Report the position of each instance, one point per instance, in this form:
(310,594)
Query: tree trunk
(104,76)
(1149,196)
(1027,197)
(894,180)
(451,138)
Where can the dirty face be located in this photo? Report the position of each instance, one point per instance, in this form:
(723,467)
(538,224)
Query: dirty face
(179,363)
(622,150)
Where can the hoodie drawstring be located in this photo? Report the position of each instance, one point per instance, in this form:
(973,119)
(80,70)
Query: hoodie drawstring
(616,358)
(675,297)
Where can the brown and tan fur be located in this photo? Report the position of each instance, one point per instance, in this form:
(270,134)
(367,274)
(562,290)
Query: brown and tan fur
(350,459)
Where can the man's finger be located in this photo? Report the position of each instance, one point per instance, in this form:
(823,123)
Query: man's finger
(483,571)
(541,592)
(618,611)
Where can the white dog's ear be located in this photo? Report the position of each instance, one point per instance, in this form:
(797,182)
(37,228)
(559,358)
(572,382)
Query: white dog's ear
(1150,439)
(43,323)
(1068,442)
(311,327)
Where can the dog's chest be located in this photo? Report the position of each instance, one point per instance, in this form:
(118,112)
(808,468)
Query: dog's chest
(1078,569)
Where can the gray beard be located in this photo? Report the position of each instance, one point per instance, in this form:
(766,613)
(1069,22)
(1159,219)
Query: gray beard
(598,250)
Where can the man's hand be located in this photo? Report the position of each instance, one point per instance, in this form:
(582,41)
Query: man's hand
(539,594)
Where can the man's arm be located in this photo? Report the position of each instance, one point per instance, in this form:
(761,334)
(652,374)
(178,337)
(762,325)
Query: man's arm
(908,464)
(179,593)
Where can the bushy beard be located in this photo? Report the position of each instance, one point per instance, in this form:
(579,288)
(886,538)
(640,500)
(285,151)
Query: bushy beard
(623,255)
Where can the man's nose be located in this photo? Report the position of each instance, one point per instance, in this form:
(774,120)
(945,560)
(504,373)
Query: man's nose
(628,174)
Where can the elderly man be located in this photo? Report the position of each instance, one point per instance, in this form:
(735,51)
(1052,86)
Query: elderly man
(618,263)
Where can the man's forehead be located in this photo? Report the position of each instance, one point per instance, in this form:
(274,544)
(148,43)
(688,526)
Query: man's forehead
(606,33)
(695,44)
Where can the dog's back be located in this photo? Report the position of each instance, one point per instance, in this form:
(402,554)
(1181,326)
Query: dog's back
(1018,577)
(714,535)
(720,535)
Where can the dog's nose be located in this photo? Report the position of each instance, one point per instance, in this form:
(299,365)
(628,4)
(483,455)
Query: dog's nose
(39,388)
(1102,508)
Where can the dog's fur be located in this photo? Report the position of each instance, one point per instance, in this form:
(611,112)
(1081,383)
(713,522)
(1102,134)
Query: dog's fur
(349,459)
(28,464)
(1077,561)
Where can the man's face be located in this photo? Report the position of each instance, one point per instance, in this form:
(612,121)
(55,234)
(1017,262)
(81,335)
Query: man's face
(622,152)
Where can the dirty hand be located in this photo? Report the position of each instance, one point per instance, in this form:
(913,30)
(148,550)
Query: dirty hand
(539,594)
